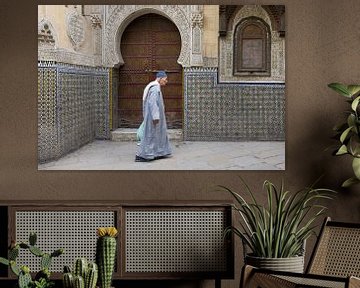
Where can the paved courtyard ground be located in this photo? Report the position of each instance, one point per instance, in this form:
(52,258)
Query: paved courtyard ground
(111,155)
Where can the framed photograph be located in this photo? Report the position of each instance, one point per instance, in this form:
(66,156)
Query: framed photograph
(161,87)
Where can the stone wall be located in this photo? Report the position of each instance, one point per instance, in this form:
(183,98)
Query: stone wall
(231,112)
(73,108)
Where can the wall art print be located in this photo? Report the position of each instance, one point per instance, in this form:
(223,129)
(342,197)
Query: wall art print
(224,99)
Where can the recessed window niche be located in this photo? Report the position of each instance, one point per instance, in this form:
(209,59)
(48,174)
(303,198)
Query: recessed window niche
(252,48)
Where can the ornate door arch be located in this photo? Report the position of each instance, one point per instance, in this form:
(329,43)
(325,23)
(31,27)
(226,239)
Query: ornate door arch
(149,43)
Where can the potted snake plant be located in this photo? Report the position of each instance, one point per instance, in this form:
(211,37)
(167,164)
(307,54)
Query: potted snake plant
(274,235)
(348,132)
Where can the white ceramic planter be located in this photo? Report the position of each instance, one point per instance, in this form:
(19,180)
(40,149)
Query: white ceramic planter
(291,264)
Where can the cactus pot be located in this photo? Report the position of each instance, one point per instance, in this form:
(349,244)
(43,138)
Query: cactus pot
(291,264)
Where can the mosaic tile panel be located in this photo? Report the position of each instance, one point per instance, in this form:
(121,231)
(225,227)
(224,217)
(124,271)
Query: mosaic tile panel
(47,117)
(80,109)
(231,111)
(102,105)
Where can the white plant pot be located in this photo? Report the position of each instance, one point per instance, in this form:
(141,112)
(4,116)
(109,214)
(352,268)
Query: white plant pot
(291,264)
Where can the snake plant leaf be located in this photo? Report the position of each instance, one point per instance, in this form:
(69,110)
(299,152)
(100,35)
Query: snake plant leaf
(280,227)
(355,103)
(342,150)
(349,182)
(353,89)
(248,190)
(341,89)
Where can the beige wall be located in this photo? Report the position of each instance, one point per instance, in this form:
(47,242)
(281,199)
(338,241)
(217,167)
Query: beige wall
(57,15)
(211,31)
(322,44)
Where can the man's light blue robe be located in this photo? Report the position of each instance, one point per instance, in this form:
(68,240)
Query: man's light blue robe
(155,142)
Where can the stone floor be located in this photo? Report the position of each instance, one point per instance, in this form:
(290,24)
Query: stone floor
(187,155)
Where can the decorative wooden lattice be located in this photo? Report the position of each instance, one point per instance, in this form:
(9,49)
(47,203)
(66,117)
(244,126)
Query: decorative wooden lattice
(74,231)
(175,241)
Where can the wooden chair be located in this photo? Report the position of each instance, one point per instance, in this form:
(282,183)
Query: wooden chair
(335,262)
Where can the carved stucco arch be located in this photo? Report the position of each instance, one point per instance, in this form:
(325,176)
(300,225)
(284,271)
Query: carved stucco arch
(123,15)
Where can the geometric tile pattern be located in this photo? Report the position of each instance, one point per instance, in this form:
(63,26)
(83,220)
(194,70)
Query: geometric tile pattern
(231,111)
(48,145)
(73,108)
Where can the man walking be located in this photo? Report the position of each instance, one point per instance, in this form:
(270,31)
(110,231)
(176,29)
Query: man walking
(154,143)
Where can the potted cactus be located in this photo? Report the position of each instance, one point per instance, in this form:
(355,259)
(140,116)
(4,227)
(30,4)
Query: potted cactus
(106,254)
(84,275)
(42,278)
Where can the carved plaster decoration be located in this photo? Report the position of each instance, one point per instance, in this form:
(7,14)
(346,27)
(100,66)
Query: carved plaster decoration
(66,56)
(196,39)
(118,17)
(46,34)
(225,13)
(252,10)
(62,55)
(277,17)
(75,29)
(95,20)
(96,23)
(197,20)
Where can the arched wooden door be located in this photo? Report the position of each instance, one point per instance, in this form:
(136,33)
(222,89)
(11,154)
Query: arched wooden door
(150,43)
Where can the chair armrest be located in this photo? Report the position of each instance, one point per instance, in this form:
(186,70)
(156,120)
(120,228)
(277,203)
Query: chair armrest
(354,282)
(252,277)
(246,273)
